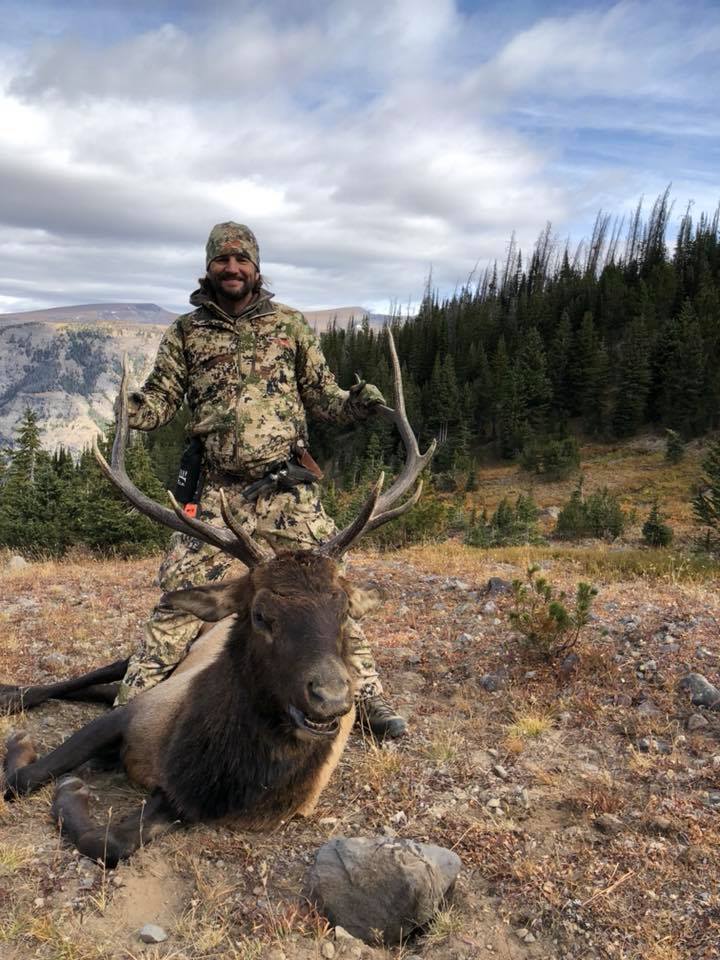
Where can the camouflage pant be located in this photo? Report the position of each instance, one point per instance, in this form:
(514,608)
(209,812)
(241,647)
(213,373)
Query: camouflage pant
(289,519)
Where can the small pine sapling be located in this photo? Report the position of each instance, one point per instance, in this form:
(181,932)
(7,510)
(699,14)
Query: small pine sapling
(655,532)
(547,627)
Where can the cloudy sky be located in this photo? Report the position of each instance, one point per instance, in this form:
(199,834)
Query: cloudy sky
(365,141)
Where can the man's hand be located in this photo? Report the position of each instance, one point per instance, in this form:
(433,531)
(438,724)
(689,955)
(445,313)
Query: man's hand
(364,399)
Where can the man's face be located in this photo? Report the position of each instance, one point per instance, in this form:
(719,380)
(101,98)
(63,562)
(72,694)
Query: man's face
(232,277)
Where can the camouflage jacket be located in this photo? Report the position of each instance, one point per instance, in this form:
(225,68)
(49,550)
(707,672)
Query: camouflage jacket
(248,381)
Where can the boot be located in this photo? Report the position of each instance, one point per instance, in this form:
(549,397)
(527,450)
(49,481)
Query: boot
(376,713)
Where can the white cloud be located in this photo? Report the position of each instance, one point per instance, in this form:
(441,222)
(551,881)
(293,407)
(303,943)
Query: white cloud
(363,143)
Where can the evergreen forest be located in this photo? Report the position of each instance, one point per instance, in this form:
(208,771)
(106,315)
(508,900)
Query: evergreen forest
(617,336)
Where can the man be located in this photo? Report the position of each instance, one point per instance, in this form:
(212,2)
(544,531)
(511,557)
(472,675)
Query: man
(250,369)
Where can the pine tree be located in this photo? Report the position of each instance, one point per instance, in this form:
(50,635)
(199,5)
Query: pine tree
(706,504)
(634,380)
(533,384)
(655,532)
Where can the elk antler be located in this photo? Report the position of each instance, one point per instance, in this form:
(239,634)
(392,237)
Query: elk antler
(237,543)
(378,508)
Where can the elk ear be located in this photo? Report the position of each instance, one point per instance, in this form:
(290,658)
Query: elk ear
(362,601)
(211,601)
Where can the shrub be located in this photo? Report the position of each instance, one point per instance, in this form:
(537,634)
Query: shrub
(600,515)
(674,446)
(655,532)
(509,526)
(706,503)
(551,459)
(547,628)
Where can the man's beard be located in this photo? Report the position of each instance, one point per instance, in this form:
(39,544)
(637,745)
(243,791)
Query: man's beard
(220,292)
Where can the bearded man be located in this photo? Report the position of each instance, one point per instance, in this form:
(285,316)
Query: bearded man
(249,369)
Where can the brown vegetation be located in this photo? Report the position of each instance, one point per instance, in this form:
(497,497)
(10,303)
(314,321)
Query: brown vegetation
(566,828)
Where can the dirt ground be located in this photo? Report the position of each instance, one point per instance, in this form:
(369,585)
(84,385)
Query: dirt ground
(583,802)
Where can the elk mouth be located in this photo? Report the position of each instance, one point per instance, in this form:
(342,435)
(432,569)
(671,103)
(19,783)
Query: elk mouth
(315,728)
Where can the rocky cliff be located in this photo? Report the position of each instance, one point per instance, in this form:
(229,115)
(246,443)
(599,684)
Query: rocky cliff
(68,374)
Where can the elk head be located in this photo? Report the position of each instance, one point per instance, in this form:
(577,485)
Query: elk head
(293,606)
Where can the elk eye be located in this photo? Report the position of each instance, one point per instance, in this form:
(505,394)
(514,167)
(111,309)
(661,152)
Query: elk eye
(259,622)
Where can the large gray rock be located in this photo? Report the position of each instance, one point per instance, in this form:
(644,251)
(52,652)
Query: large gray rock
(702,692)
(381,889)
(17,563)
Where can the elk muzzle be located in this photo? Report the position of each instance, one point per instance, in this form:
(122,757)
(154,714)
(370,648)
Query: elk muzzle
(327,697)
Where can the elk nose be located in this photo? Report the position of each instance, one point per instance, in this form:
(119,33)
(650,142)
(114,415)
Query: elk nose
(329,696)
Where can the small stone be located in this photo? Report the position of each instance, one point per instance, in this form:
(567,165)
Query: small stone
(529,937)
(716,762)
(17,563)
(696,722)
(702,692)
(464,640)
(342,934)
(500,771)
(490,607)
(328,950)
(152,933)
(654,745)
(608,823)
(39,902)
(494,803)
(492,682)
(497,585)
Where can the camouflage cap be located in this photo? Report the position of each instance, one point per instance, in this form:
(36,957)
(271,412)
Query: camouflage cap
(232,237)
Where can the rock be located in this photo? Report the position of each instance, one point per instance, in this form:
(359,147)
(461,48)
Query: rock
(647,708)
(608,823)
(496,585)
(492,682)
(17,562)
(55,660)
(500,771)
(342,934)
(550,512)
(376,887)
(696,722)
(276,953)
(151,933)
(654,745)
(490,607)
(328,950)
(464,640)
(702,692)
(649,667)
(569,664)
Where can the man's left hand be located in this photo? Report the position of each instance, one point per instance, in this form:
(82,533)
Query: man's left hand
(364,399)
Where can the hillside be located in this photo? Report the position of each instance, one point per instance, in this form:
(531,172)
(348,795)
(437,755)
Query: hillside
(583,802)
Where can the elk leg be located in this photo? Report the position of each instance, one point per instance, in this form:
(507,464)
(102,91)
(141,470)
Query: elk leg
(14,698)
(108,842)
(94,738)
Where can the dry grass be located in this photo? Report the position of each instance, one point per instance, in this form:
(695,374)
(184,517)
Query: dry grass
(539,862)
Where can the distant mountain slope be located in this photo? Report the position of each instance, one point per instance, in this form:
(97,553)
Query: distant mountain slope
(64,363)
(94,313)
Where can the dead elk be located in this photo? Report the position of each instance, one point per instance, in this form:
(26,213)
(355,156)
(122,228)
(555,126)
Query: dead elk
(252,722)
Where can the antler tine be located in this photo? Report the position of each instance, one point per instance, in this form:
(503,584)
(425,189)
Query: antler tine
(336,546)
(234,524)
(382,509)
(175,518)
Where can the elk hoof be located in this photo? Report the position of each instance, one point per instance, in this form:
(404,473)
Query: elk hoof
(11,700)
(20,751)
(69,792)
